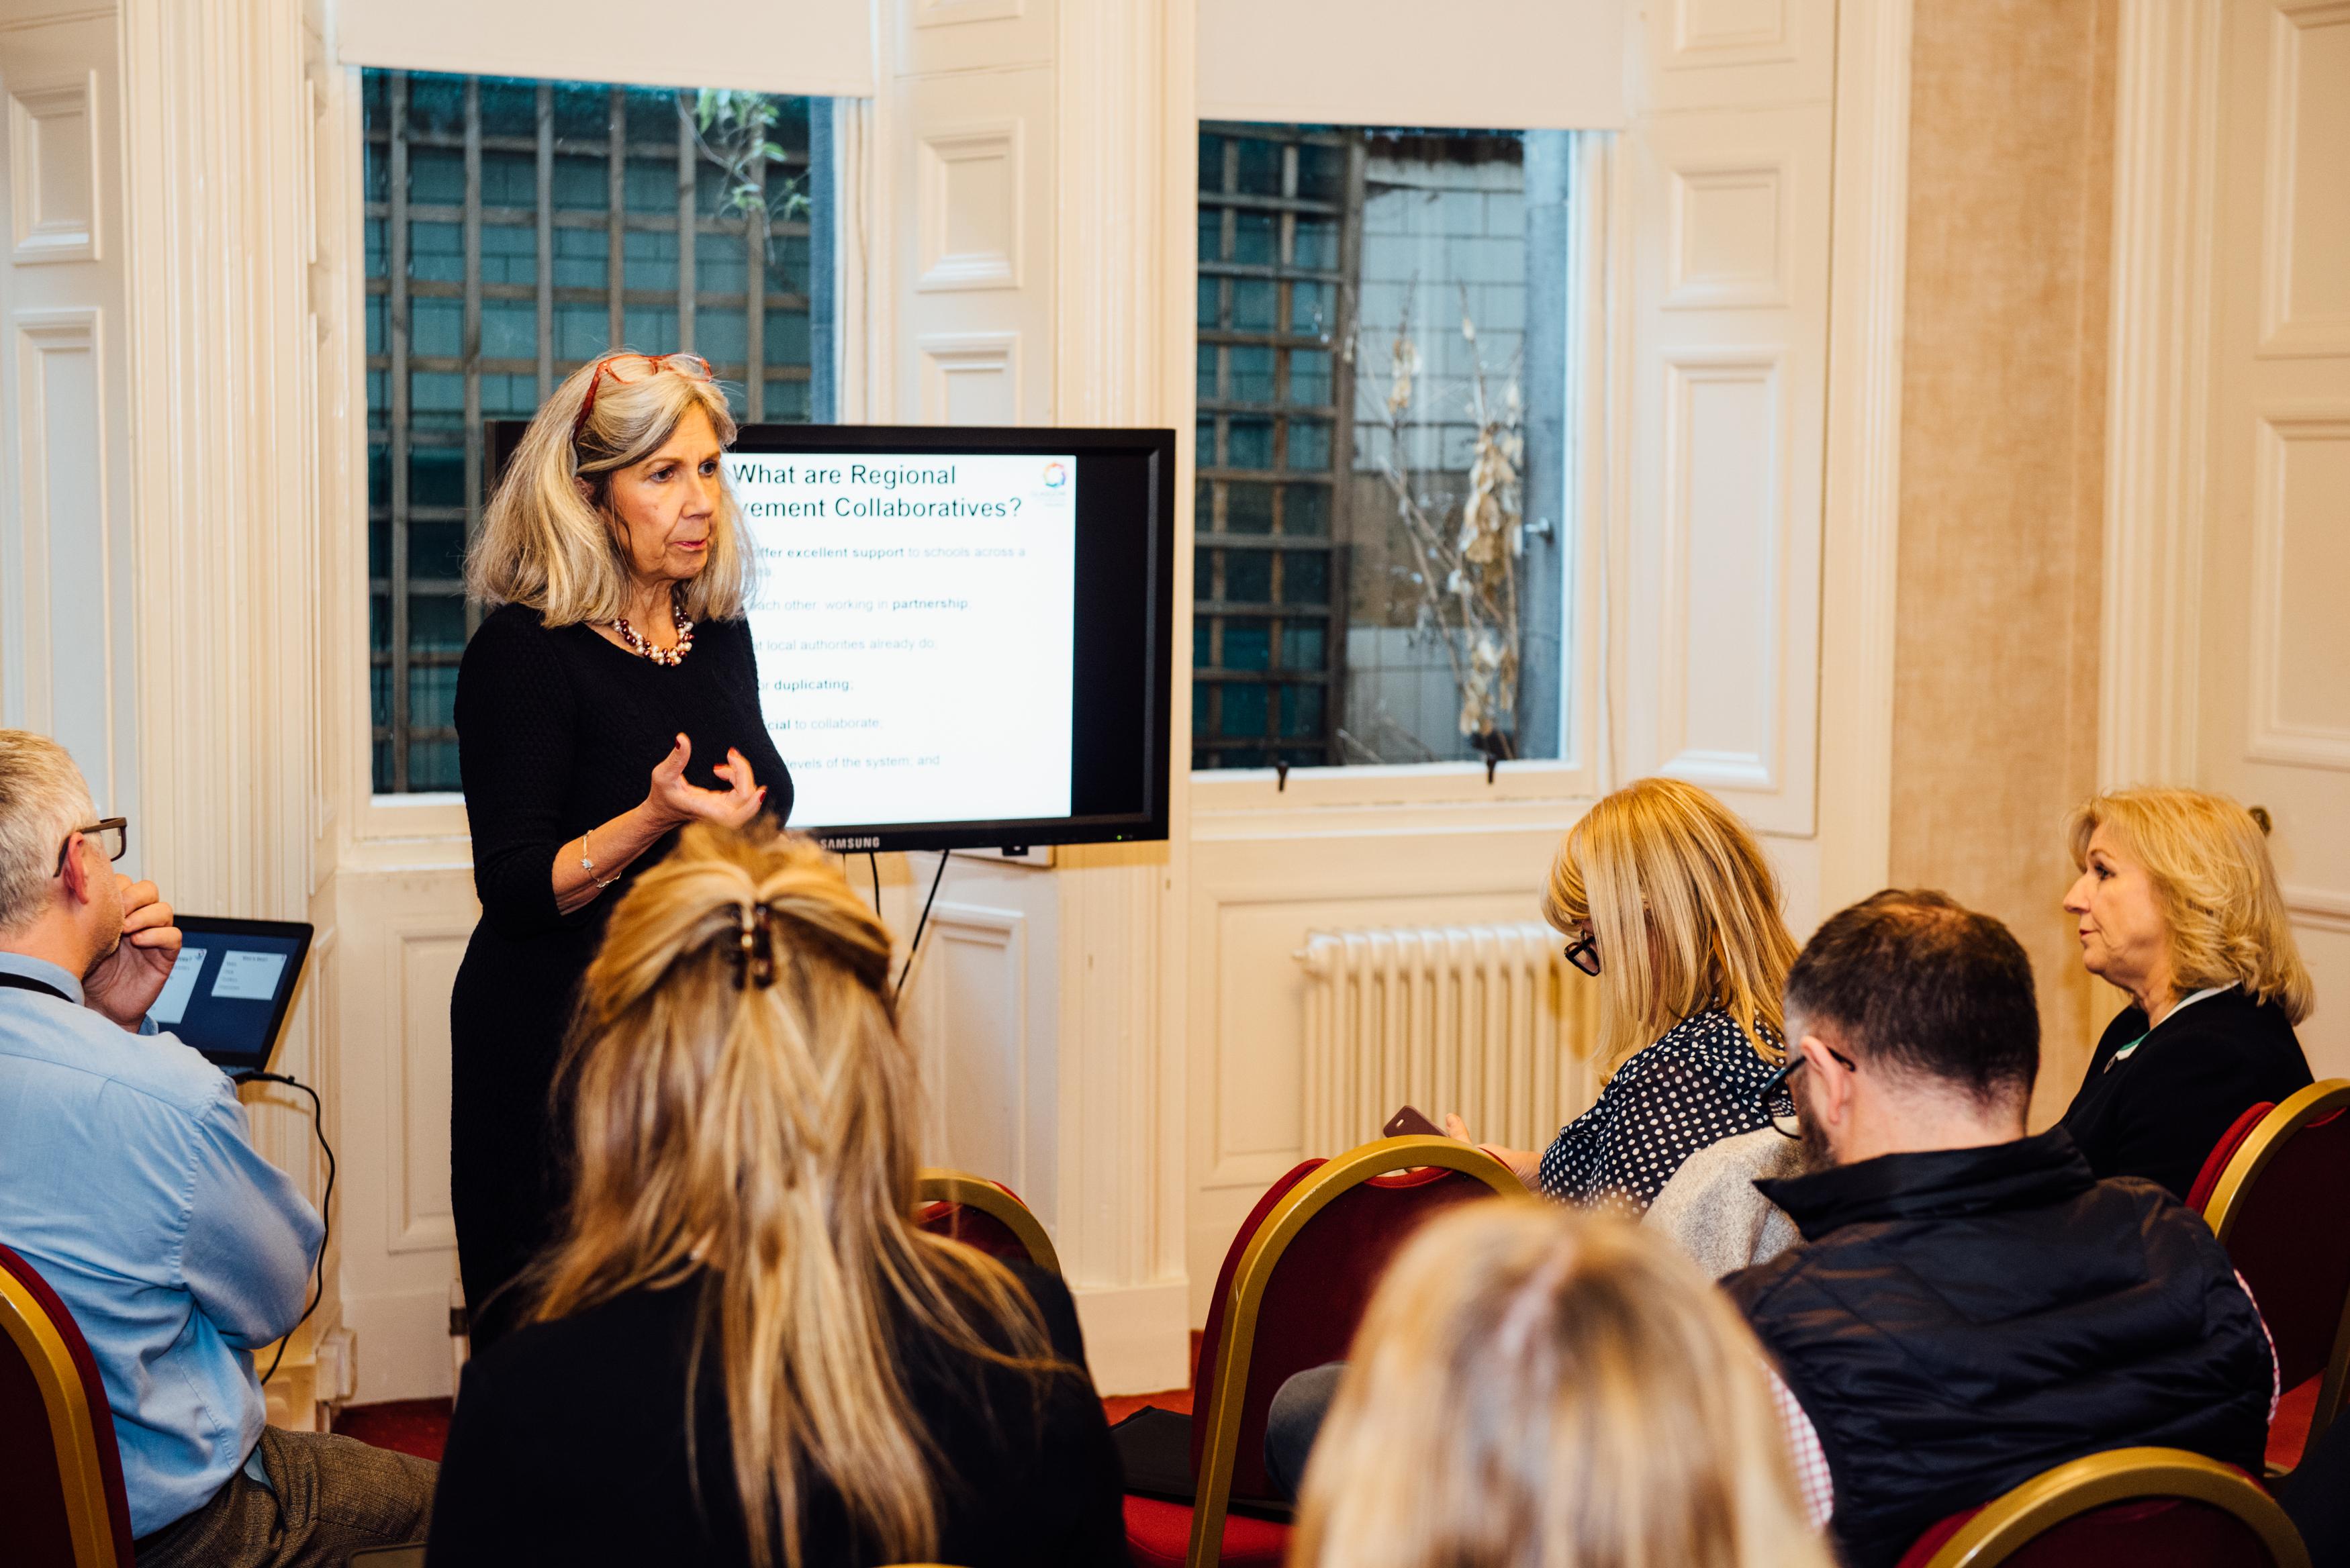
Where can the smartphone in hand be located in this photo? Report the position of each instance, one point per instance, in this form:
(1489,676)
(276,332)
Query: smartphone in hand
(1408,1123)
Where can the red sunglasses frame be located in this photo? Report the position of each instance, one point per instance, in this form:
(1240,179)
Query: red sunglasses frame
(694,364)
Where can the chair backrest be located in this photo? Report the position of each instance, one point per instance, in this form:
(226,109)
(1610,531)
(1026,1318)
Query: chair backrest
(2130,1507)
(1293,1289)
(2215,1164)
(983,1214)
(2277,1208)
(62,1496)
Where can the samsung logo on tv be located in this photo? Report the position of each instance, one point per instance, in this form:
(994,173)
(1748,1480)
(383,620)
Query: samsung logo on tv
(850,841)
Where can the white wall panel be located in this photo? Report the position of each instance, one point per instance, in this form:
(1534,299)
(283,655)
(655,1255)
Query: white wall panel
(61,499)
(2299,638)
(53,173)
(2306,289)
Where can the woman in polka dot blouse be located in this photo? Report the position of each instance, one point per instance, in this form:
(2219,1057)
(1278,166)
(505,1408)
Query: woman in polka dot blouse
(1667,900)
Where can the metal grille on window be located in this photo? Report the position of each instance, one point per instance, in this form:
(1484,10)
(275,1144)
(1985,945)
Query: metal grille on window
(516,230)
(1279,225)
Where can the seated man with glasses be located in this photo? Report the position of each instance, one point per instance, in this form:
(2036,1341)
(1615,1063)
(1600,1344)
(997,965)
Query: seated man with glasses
(129,1182)
(1970,1306)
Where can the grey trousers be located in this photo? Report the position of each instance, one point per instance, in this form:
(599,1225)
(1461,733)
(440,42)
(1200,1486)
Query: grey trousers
(1292,1423)
(327,1497)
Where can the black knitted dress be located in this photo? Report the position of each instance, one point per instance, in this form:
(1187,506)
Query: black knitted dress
(558,731)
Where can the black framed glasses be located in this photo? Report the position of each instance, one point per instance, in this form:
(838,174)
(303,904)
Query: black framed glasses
(1775,1092)
(111,835)
(1584,954)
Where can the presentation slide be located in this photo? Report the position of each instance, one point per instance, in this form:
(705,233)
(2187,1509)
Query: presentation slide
(916,627)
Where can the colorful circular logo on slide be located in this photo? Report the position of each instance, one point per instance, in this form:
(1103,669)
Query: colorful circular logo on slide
(1056,474)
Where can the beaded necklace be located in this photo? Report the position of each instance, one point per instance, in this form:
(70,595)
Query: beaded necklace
(670,657)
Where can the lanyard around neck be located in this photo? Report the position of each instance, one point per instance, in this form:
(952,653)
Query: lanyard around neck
(26,983)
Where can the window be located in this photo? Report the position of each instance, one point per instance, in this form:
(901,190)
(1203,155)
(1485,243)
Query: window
(1367,586)
(516,230)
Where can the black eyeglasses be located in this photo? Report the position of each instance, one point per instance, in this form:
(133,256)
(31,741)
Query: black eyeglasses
(1775,1092)
(1584,954)
(113,836)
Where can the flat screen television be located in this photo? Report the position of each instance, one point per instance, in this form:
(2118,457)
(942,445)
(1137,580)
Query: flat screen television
(966,635)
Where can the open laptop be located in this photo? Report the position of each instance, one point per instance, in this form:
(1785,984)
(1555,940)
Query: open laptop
(231,988)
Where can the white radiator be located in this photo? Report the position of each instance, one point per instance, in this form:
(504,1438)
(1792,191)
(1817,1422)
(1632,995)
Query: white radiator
(1488,1021)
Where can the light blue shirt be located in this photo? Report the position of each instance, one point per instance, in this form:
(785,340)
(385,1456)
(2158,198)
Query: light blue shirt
(129,1179)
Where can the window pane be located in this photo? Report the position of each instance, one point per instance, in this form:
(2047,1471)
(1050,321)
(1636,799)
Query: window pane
(1211,162)
(436,477)
(1305,578)
(1256,301)
(1412,225)
(1248,577)
(1248,508)
(1252,375)
(509,254)
(509,178)
(1248,441)
(649,260)
(721,335)
(1309,380)
(1212,233)
(1306,510)
(430,520)
(1243,709)
(1309,444)
(1207,371)
(1260,167)
(1252,238)
(509,329)
(436,253)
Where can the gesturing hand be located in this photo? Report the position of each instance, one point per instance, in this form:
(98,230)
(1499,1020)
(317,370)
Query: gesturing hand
(676,801)
(1523,1164)
(124,983)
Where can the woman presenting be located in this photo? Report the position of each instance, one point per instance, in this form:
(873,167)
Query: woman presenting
(610,697)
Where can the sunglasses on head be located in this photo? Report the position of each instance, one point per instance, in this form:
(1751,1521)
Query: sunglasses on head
(625,368)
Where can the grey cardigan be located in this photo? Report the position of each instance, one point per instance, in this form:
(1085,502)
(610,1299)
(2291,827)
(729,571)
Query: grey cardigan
(1711,1211)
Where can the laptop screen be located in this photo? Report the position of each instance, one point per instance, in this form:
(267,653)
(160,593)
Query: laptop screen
(230,990)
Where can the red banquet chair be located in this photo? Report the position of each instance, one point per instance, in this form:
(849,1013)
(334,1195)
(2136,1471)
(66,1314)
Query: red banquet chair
(983,1214)
(2130,1507)
(2276,1207)
(61,1499)
(1293,1288)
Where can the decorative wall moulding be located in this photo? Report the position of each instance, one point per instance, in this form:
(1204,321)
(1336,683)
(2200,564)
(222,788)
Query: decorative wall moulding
(970,377)
(2301,556)
(1725,550)
(1728,245)
(2304,290)
(53,172)
(1732,32)
(952,13)
(973,207)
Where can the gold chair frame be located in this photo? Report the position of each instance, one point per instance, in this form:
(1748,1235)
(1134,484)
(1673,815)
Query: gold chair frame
(72,1423)
(1233,1348)
(2121,1475)
(2244,1167)
(943,1186)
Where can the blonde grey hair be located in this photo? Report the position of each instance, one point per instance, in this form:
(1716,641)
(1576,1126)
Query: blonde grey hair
(42,800)
(546,545)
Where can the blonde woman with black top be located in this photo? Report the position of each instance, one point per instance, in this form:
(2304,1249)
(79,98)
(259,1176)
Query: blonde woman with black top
(1670,903)
(2178,906)
(610,697)
(1533,1389)
(741,1352)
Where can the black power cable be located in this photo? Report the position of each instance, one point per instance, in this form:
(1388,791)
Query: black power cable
(874,860)
(326,1203)
(916,945)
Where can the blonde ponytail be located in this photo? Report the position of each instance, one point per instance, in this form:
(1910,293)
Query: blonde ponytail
(742,1109)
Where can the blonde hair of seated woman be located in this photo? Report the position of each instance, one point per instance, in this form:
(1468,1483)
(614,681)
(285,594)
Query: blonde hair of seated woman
(1684,909)
(745,1112)
(1537,1388)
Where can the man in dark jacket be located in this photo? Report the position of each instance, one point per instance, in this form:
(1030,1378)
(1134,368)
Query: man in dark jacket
(1970,1306)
